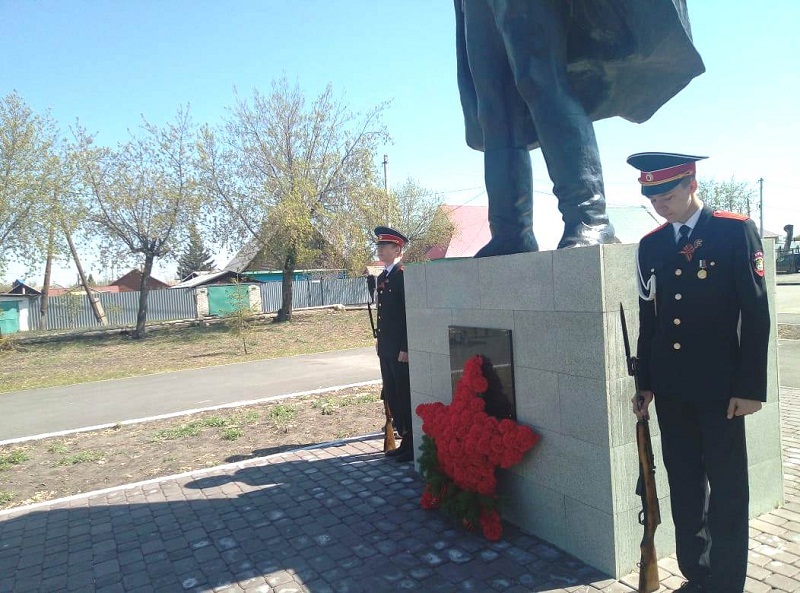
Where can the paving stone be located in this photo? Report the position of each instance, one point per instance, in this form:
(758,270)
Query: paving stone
(341,520)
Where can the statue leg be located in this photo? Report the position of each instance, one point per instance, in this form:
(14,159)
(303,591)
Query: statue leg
(507,172)
(507,163)
(534,35)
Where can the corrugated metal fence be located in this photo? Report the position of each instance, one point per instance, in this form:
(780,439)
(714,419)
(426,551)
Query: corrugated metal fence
(72,311)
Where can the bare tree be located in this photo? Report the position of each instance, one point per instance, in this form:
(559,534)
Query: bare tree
(144,194)
(287,174)
(730,195)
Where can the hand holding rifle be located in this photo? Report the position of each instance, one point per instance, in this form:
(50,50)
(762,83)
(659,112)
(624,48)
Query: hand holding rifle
(650,515)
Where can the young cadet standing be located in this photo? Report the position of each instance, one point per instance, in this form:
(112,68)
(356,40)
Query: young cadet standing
(700,275)
(392,343)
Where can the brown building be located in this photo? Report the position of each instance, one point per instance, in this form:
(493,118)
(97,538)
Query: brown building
(132,281)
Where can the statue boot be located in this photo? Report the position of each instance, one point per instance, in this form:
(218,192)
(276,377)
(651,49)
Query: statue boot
(509,187)
(586,223)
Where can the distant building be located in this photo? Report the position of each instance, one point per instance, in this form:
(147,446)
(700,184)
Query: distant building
(471,228)
(131,282)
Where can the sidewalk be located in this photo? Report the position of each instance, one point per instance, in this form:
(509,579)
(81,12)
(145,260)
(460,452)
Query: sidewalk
(338,518)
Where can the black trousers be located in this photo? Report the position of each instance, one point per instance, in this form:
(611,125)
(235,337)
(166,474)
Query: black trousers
(397,391)
(706,461)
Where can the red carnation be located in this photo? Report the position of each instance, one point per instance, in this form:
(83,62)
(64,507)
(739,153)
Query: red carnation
(491,525)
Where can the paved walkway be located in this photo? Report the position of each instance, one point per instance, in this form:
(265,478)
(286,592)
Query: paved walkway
(339,518)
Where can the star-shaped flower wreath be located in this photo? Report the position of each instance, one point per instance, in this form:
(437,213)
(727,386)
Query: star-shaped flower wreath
(461,449)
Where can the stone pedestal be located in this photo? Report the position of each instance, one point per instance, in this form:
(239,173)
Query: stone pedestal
(576,488)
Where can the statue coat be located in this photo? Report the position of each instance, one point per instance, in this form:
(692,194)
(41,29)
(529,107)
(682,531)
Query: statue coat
(625,58)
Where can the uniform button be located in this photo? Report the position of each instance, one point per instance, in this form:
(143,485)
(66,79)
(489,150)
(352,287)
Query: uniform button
(677,345)
(678,272)
(676,321)
(678,296)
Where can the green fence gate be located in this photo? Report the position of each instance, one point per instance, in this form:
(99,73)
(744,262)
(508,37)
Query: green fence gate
(9,317)
(227,298)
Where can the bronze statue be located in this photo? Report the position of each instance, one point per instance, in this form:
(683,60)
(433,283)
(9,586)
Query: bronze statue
(538,73)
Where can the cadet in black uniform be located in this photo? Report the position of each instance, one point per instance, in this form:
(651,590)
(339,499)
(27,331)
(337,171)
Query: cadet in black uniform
(393,338)
(699,275)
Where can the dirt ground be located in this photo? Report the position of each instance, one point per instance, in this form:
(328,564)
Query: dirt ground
(56,467)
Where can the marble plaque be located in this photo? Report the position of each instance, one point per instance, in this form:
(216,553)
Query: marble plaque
(494,345)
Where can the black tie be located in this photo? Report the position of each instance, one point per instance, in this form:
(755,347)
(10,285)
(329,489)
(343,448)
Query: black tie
(684,232)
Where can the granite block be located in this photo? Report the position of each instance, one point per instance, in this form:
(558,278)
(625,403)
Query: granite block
(570,466)
(537,398)
(427,330)
(766,486)
(591,534)
(415,276)
(584,413)
(517,282)
(452,284)
(535,508)
(577,282)
(619,277)
(534,341)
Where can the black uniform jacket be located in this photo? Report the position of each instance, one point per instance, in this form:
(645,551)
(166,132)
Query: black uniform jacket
(688,343)
(392,329)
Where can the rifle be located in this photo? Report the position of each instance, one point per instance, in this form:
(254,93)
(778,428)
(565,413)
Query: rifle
(388,427)
(650,515)
(370,302)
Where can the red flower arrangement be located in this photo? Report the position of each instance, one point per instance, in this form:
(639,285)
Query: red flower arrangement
(461,449)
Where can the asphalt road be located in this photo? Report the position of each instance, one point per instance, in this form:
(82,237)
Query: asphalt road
(39,411)
(787,300)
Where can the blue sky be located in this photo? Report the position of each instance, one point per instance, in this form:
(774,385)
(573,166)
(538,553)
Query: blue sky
(107,63)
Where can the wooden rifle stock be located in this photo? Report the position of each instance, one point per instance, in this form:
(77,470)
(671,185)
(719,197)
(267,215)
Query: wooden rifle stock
(388,430)
(650,515)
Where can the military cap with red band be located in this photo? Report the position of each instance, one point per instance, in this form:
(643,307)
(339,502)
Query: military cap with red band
(662,171)
(384,234)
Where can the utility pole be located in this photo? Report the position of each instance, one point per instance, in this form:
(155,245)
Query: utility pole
(761,204)
(386,174)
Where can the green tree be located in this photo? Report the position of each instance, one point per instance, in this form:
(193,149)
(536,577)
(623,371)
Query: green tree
(25,143)
(730,195)
(194,257)
(144,193)
(288,174)
(418,211)
(241,316)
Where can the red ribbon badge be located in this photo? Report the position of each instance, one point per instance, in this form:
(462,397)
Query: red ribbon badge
(688,250)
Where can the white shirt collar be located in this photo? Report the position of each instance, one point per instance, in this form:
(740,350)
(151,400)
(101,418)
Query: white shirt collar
(391,266)
(691,223)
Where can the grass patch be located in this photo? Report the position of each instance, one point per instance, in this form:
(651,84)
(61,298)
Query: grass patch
(6,496)
(231,433)
(190,429)
(281,415)
(325,405)
(359,400)
(16,457)
(215,421)
(82,457)
(250,417)
(59,448)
